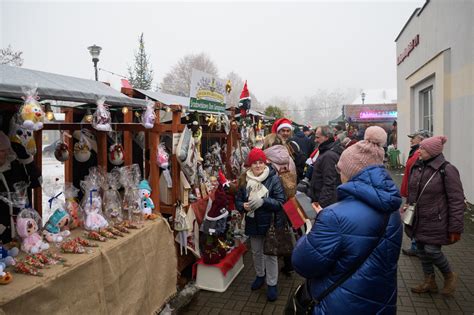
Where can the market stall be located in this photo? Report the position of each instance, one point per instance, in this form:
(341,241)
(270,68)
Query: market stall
(97,154)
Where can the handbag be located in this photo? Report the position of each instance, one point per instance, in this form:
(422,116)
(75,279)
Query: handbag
(409,215)
(278,241)
(300,302)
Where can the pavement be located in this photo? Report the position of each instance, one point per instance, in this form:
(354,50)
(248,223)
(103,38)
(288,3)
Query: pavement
(239,299)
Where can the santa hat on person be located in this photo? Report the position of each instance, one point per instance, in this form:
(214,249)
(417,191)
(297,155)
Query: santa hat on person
(280,124)
(223,180)
(244,102)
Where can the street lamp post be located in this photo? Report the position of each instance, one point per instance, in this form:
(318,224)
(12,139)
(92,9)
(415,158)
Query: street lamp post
(95,52)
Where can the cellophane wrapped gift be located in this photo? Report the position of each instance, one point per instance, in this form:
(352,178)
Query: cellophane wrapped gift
(112,198)
(72,206)
(101,119)
(31,113)
(92,201)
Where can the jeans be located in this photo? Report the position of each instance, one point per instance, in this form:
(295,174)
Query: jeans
(431,255)
(264,264)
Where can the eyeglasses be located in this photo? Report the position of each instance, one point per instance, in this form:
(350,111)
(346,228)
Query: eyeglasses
(338,170)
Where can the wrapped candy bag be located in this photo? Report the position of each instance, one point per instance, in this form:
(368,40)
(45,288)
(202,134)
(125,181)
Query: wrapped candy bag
(56,228)
(162,160)
(92,201)
(112,199)
(102,119)
(72,206)
(31,113)
(148,116)
(28,226)
(131,199)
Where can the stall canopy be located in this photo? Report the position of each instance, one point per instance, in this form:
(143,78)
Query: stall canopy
(60,87)
(166,99)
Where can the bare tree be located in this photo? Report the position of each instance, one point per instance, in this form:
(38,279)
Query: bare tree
(288,107)
(10,57)
(237,86)
(178,80)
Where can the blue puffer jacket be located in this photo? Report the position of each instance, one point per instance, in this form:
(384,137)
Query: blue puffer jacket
(347,231)
(259,224)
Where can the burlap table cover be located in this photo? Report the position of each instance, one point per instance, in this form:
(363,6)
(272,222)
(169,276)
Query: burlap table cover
(134,274)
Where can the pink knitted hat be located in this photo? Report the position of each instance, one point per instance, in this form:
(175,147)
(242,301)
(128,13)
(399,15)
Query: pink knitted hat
(364,153)
(433,145)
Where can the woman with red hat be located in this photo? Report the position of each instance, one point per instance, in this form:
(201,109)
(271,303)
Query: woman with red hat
(260,197)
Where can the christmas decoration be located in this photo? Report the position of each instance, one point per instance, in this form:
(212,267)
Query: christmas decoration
(28,225)
(101,119)
(116,154)
(146,203)
(245,101)
(148,116)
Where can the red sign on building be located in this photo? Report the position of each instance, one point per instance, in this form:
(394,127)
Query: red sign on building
(406,52)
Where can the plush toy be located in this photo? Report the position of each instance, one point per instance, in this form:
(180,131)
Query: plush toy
(5,277)
(94,219)
(146,204)
(53,229)
(31,113)
(148,116)
(6,255)
(32,242)
(101,118)
(72,206)
(116,154)
(22,136)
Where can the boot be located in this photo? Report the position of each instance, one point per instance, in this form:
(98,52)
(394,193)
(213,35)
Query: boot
(450,280)
(429,285)
(257,283)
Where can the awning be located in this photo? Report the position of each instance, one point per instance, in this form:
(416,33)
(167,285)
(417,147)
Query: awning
(60,87)
(167,99)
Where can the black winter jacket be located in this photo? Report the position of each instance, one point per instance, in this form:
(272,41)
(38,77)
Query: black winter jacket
(325,178)
(259,224)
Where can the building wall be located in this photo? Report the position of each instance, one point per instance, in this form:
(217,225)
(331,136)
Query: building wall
(444,58)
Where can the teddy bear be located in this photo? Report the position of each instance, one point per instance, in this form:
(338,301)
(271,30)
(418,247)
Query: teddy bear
(32,242)
(57,221)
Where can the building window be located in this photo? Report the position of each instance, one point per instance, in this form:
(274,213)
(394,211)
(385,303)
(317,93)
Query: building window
(426,109)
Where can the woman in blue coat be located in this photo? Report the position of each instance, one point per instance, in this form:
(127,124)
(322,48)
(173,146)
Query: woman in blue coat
(347,231)
(261,196)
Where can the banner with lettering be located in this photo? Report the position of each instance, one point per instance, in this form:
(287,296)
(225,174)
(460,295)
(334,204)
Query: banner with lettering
(207,93)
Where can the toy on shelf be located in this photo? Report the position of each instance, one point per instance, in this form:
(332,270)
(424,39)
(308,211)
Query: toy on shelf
(31,113)
(101,119)
(56,228)
(7,255)
(92,201)
(149,116)
(112,198)
(22,136)
(28,225)
(72,206)
(146,204)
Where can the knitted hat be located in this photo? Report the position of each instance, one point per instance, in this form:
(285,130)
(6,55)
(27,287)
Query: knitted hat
(54,219)
(433,145)
(256,155)
(281,123)
(4,141)
(144,185)
(364,153)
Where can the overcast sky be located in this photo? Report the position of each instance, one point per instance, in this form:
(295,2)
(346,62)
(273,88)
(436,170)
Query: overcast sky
(284,49)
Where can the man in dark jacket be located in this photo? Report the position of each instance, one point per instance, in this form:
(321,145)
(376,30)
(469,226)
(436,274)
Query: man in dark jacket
(325,179)
(304,147)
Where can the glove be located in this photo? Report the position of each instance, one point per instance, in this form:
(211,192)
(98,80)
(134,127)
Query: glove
(303,186)
(255,203)
(454,237)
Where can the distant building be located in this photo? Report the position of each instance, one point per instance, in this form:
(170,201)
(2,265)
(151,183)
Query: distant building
(435,80)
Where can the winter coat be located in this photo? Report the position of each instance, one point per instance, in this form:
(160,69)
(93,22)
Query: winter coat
(280,158)
(440,209)
(347,231)
(272,205)
(412,158)
(304,143)
(325,179)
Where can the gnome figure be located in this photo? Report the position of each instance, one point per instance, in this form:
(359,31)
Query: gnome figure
(244,102)
(146,204)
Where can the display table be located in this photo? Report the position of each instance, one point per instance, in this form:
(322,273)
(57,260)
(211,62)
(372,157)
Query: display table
(134,274)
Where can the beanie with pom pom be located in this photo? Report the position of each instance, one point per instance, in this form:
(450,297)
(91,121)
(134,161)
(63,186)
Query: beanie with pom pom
(363,153)
(433,145)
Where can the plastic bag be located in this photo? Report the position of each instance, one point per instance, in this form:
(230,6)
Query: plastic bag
(72,206)
(148,116)
(112,198)
(102,119)
(31,113)
(56,228)
(130,178)
(92,201)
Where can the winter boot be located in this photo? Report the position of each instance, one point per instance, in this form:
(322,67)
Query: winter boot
(258,283)
(450,280)
(272,293)
(429,285)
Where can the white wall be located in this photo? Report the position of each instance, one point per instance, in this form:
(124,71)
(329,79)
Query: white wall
(444,54)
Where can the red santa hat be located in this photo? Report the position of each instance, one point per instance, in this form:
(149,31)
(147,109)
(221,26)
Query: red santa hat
(244,95)
(280,124)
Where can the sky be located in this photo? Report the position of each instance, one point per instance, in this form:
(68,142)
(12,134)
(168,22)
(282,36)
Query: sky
(284,49)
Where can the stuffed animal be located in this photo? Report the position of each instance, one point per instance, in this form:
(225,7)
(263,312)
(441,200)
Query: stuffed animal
(31,113)
(146,204)
(32,242)
(22,136)
(52,230)
(148,117)
(101,119)
(6,255)
(94,219)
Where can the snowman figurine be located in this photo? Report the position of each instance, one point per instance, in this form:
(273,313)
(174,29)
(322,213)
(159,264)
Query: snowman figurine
(146,204)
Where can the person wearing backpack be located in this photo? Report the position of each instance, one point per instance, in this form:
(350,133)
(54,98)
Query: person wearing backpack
(436,189)
(350,256)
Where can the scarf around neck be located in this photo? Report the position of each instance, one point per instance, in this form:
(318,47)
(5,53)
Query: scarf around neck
(255,187)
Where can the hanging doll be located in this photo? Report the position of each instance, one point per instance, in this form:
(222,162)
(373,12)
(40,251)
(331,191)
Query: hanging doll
(146,204)
(148,116)
(54,229)
(27,226)
(31,113)
(162,159)
(101,119)
(72,206)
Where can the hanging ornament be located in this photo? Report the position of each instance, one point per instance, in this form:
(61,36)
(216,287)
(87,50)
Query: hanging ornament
(148,116)
(82,150)
(101,119)
(61,153)
(228,87)
(116,154)
(211,121)
(31,113)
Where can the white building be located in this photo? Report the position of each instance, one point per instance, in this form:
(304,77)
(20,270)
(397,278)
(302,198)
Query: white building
(435,80)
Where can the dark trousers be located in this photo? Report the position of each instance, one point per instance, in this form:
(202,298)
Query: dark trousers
(431,255)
